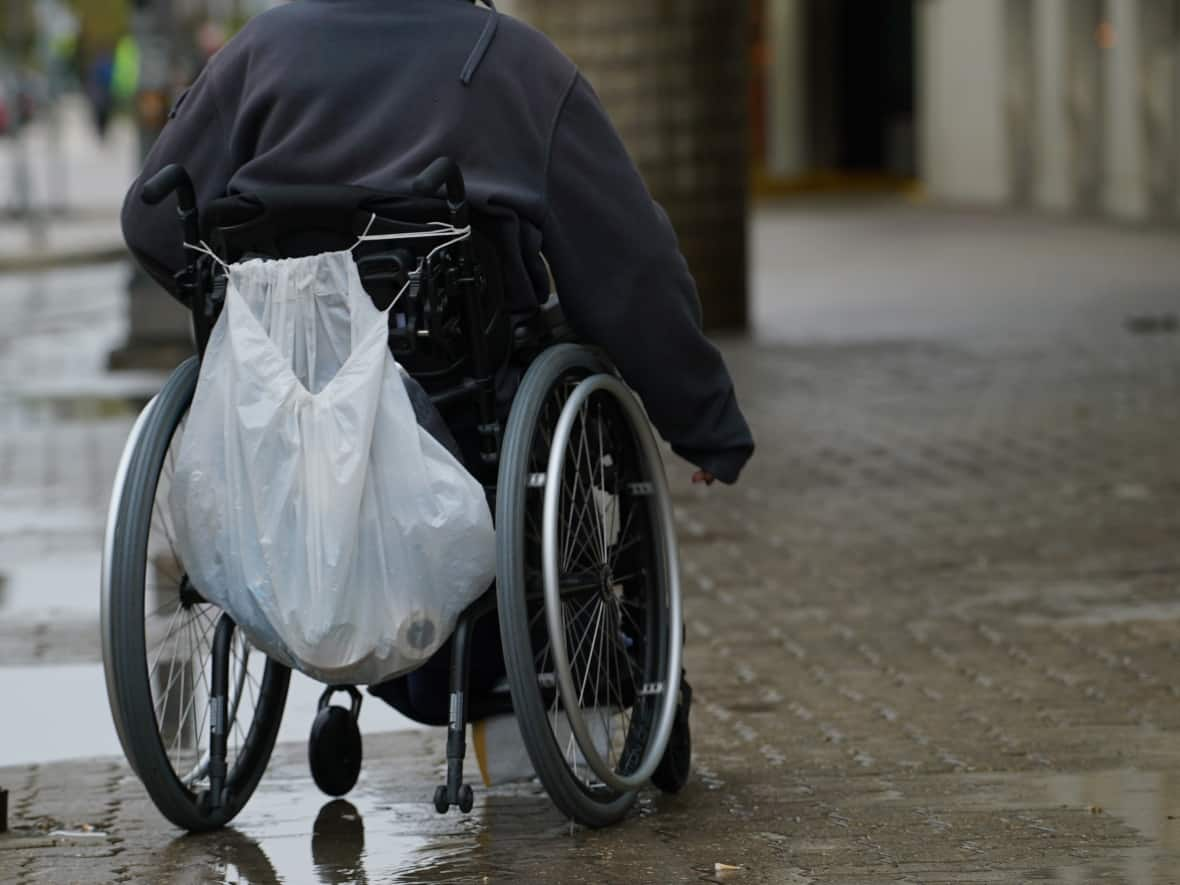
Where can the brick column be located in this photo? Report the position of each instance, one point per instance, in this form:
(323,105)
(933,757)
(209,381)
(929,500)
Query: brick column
(673,76)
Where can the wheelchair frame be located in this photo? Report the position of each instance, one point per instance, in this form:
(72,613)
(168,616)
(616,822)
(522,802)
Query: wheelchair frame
(203,293)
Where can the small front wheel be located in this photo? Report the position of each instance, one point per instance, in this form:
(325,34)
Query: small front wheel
(466,798)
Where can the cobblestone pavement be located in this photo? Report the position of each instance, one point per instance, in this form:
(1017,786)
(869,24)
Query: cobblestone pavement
(934,634)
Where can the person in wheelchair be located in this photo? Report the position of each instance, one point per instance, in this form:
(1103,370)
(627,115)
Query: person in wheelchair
(367,92)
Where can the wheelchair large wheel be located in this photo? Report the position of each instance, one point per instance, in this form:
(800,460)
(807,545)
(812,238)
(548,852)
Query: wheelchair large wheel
(587,588)
(157,634)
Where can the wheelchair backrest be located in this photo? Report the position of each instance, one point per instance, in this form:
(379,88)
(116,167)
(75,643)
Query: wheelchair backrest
(426,331)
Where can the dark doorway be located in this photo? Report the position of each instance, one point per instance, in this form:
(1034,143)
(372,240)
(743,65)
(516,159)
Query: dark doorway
(860,65)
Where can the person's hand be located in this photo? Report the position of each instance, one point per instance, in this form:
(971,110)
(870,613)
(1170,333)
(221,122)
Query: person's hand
(703,476)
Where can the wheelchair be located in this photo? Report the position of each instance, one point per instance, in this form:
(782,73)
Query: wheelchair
(587,588)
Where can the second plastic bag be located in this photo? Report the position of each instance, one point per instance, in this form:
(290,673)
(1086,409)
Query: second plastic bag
(309,504)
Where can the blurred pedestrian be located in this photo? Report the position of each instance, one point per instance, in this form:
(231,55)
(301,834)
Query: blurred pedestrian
(99,74)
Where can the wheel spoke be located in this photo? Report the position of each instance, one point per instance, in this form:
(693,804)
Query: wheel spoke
(570,495)
(589,657)
(572,510)
(620,541)
(604,708)
(591,498)
(164,641)
(581,641)
(176,738)
(170,683)
(600,510)
(578,515)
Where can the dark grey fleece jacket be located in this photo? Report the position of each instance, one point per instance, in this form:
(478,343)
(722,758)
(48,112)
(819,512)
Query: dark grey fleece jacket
(368,92)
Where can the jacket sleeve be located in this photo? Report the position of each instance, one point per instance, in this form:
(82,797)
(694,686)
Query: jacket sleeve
(196,138)
(625,286)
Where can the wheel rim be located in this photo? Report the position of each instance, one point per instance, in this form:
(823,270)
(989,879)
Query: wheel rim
(148,628)
(178,627)
(621,615)
(107,607)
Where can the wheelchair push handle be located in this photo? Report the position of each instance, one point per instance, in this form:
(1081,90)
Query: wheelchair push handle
(169,179)
(174,179)
(446,171)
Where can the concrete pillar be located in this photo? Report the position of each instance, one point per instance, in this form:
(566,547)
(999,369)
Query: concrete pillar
(963,149)
(673,76)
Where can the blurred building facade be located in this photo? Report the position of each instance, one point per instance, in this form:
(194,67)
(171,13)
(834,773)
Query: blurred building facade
(833,98)
(1070,105)
(1065,105)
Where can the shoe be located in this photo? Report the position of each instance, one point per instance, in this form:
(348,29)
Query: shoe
(672,773)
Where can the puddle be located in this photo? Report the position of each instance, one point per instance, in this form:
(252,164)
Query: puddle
(62,714)
(382,832)
(65,714)
(80,835)
(1101,804)
(352,841)
(1146,801)
(67,585)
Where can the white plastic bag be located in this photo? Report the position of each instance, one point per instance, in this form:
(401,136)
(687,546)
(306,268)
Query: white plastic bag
(309,504)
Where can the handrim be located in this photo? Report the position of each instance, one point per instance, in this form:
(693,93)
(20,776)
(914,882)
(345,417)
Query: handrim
(657,743)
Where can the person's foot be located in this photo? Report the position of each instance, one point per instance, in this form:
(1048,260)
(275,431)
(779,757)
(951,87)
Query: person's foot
(672,773)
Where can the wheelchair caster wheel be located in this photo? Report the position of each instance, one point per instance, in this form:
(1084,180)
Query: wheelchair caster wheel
(334,749)
(441,805)
(466,798)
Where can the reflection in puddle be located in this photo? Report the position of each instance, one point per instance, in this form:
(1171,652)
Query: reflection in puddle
(338,843)
(270,845)
(1147,801)
(385,832)
(77,695)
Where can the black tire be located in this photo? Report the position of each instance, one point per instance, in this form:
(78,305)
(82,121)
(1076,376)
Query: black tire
(135,520)
(573,788)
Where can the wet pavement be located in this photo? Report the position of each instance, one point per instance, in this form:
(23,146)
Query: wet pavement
(934,634)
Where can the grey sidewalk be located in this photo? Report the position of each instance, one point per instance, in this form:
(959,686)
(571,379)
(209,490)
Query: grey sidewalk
(935,632)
